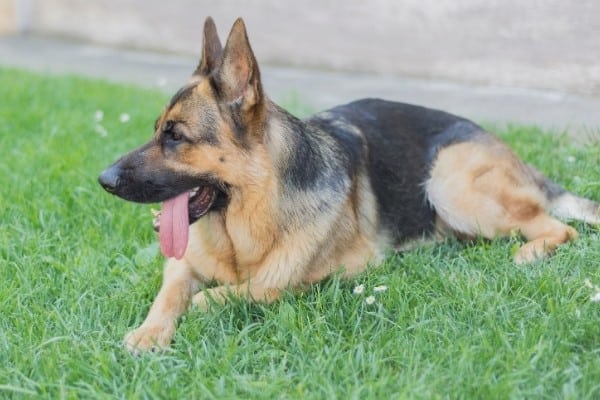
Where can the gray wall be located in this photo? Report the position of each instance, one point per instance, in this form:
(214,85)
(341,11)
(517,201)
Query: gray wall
(552,44)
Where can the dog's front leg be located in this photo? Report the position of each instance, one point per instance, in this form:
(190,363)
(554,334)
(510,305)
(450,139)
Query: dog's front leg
(172,301)
(281,269)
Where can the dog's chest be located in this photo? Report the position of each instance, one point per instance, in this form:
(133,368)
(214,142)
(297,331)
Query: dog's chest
(226,253)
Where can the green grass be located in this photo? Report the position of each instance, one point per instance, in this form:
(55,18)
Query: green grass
(80,268)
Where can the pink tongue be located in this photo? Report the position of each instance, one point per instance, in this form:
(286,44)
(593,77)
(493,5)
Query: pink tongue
(174,225)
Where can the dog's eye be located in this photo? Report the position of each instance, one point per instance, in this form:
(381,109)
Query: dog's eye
(172,137)
(170,134)
(175,136)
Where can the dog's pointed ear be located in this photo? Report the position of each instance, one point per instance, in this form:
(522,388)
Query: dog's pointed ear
(211,49)
(238,76)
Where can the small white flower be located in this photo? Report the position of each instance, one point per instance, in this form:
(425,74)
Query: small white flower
(124,118)
(359,289)
(571,159)
(98,115)
(101,130)
(380,288)
(588,283)
(370,300)
(595,298)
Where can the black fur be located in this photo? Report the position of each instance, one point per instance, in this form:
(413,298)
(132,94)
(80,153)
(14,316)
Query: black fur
(309,167)
(402,141)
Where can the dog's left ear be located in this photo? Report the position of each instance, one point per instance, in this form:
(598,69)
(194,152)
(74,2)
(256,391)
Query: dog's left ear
(211,49)
(238,77)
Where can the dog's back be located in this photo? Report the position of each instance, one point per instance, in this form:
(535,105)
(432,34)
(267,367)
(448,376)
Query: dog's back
(399,142)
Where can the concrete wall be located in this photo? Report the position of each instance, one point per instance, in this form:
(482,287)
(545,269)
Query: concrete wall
(8,16)
(551,44)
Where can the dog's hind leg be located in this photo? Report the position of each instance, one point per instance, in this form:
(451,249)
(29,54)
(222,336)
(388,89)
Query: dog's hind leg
(544,234)
(172,301)
(481,188)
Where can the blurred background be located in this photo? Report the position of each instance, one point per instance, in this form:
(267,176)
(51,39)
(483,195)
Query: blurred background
(534,61)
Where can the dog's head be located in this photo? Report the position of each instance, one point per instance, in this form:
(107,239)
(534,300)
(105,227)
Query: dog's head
(204,139)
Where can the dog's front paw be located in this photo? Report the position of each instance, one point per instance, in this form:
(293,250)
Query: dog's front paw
(149,338)
(201,301)
(205,299)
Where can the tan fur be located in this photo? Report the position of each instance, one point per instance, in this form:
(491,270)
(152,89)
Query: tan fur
(250,258)
(261,277)
(482,188)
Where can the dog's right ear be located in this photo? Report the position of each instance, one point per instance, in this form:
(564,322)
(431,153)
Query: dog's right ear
(211,49)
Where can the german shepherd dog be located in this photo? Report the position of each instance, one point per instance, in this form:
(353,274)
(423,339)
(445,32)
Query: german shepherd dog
(260,201)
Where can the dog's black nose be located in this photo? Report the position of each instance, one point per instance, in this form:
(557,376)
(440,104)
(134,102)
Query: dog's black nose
(109,179)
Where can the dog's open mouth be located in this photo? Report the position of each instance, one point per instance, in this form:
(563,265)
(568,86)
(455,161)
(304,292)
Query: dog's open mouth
(173,221)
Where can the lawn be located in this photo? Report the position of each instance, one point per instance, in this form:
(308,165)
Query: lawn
(80,268)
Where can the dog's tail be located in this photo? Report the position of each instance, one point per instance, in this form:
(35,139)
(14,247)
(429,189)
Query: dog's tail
(566,205)
(570,206)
